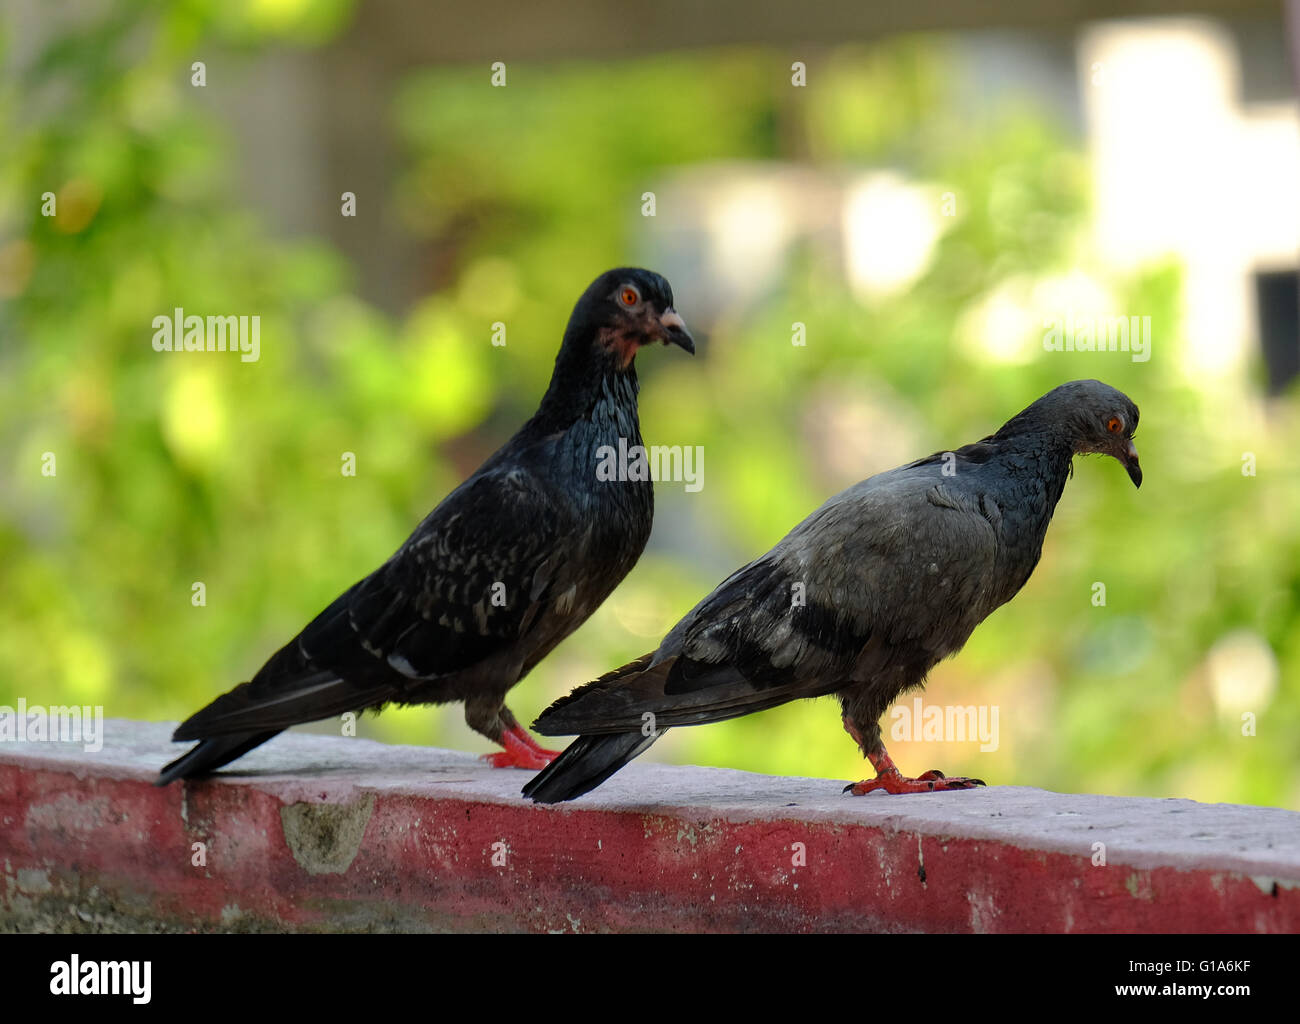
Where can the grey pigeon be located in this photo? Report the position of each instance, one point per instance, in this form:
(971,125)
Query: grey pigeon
(508,565)
(859,600)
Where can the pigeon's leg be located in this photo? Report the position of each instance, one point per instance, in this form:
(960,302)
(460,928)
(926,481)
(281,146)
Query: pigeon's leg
(498,723)
(889,778)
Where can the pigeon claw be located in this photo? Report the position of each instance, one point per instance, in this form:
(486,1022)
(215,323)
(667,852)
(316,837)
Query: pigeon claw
(522,751)
(892,781)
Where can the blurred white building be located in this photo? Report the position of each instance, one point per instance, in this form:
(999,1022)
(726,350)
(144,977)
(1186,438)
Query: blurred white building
(1187,165)
(1193,135)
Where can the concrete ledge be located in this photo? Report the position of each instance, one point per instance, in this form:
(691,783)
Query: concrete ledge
(325,834)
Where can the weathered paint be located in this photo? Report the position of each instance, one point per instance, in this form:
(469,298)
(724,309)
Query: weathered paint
(81,850)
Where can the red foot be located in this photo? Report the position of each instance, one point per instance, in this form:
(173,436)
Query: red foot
(891,780)
(522,751)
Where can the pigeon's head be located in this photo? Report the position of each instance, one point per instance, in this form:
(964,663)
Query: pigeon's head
(1100,420)
(624,309)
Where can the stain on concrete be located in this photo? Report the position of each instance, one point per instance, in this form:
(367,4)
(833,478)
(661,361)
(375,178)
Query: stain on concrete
(70,815)
(324,838)
(1270,886)
(33,881)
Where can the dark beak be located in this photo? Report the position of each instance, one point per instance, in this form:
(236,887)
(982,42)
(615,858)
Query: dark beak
(1129,459)
(675,330)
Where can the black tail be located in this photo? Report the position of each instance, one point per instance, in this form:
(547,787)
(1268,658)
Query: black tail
(211,754)
(585,764)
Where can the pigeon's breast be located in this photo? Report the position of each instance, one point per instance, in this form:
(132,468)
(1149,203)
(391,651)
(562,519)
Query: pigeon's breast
(601,468)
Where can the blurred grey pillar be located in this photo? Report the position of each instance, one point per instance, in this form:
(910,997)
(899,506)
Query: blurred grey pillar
(358,148)
(312,125)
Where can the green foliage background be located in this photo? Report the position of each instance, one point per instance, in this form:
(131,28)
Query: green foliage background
(173,469)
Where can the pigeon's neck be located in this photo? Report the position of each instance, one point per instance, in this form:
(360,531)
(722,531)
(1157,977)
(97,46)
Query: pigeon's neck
(587,423)
(577,389)
(1041,454)
(1035,463)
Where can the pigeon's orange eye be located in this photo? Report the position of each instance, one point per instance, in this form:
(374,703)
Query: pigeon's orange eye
(1115,424)
(629,296)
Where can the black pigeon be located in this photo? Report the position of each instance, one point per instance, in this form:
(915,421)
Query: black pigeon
(860,600)
(507,566)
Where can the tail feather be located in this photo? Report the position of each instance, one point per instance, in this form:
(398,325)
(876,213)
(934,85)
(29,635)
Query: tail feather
(249,708)
(585,764)
(559,710)
(671,692)
(211,754)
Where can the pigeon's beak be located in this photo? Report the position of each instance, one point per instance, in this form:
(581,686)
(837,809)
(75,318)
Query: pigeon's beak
(1129,458)
(674,328)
